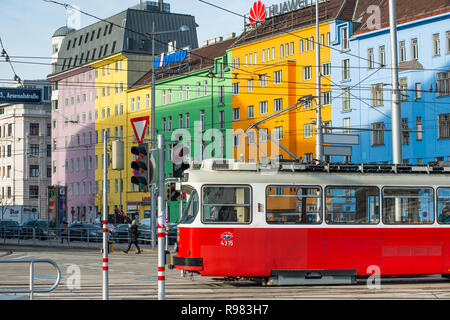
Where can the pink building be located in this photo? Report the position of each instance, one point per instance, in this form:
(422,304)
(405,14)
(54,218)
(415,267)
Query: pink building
(74,139)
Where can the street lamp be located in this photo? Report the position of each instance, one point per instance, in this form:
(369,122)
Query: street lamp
(153,116)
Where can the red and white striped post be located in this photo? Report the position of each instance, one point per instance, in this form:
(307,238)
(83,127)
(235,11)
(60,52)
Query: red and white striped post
(161,221)
(105,220)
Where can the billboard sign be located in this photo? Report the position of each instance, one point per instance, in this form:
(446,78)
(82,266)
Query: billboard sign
(20,95)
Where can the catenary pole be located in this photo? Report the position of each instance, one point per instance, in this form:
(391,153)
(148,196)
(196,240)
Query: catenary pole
(153,138)
(395,104)
(319,131)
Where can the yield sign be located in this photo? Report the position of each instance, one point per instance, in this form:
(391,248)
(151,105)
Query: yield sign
(139,127)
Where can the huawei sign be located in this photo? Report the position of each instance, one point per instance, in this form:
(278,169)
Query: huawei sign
(257,13)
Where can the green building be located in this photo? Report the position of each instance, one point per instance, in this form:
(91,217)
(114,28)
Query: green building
(194,95)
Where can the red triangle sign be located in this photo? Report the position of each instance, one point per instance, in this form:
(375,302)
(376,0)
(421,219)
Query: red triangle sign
(140,127)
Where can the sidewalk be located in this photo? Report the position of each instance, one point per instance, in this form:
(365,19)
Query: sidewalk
(56,243)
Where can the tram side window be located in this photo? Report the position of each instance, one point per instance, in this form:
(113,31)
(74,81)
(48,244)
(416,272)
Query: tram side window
(408,205)
(226,204)
(293,205)
(443,205)
(352,205)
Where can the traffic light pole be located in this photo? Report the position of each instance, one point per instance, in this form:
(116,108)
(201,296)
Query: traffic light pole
(161,220)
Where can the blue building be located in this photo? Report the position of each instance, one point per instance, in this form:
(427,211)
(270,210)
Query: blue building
(361,81)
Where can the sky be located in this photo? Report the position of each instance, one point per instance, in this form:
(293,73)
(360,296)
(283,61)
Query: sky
(26,26)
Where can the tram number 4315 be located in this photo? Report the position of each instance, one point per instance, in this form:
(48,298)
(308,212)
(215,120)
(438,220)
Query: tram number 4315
(227,239)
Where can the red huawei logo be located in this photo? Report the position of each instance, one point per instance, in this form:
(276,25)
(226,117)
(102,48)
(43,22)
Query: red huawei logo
(257,13)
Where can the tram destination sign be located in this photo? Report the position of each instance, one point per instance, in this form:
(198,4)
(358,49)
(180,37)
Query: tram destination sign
(352,139)
(20,95)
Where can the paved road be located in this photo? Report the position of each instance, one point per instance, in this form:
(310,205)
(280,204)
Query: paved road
(134,276)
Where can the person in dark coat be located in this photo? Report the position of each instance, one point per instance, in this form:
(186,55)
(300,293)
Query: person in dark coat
(133,237)
(64,231)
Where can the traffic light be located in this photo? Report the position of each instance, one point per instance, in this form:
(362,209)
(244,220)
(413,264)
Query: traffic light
(172,193)
(142,170)
(178,163)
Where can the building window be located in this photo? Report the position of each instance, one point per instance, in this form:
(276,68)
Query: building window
(277,77)
(251,138)
(307,73)
(277,104)
(278,133)
(34,129)
(378,135)
(444,126)
(34,171)
(344,38)
(221,120)
(415,49)
(263,80)
(377,94)
(418,91)
(235,88)
(236,114)
(346,99)
(326,98)
(326,69)
(405,132)
(443,84)
(370,58)
(448,41)
(403,89)
(263,135)
(34,192)
(402,51)
(250,85)
(419,128)
(436,44)
(202,119)
(236,140)
(186,120)
(263,107)
(346,69)
(250,112)
(382,55)
(34,149)
(307,130)
(346,124)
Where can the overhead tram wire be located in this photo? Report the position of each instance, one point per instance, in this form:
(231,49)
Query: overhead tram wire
(253,64)
(7,58)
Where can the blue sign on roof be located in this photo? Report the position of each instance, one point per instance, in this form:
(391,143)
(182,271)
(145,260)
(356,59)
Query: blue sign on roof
(166,60)
(20,95)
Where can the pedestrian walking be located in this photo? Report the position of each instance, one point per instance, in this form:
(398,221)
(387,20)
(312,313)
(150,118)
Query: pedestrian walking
(133,237)
(64,231)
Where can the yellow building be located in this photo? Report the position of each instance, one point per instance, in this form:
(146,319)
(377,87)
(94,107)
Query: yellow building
(274,65)
(113,111)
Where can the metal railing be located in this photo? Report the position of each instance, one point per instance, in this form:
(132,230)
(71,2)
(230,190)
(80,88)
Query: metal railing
(32,289)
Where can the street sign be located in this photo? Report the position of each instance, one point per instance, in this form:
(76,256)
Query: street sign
(139,127)
(352,139)
(337,151)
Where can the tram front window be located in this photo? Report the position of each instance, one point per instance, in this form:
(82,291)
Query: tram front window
(191,209)
(226,204)
(293,205)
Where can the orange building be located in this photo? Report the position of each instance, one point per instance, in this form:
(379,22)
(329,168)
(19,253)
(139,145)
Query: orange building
(274,65)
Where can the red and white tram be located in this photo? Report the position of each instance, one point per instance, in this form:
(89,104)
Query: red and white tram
(315,222)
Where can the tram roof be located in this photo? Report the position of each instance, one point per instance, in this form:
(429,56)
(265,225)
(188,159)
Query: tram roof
(228,171)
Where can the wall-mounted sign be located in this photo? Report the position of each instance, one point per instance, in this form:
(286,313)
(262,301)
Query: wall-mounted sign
(168,59)
(288,6)
(20,95)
